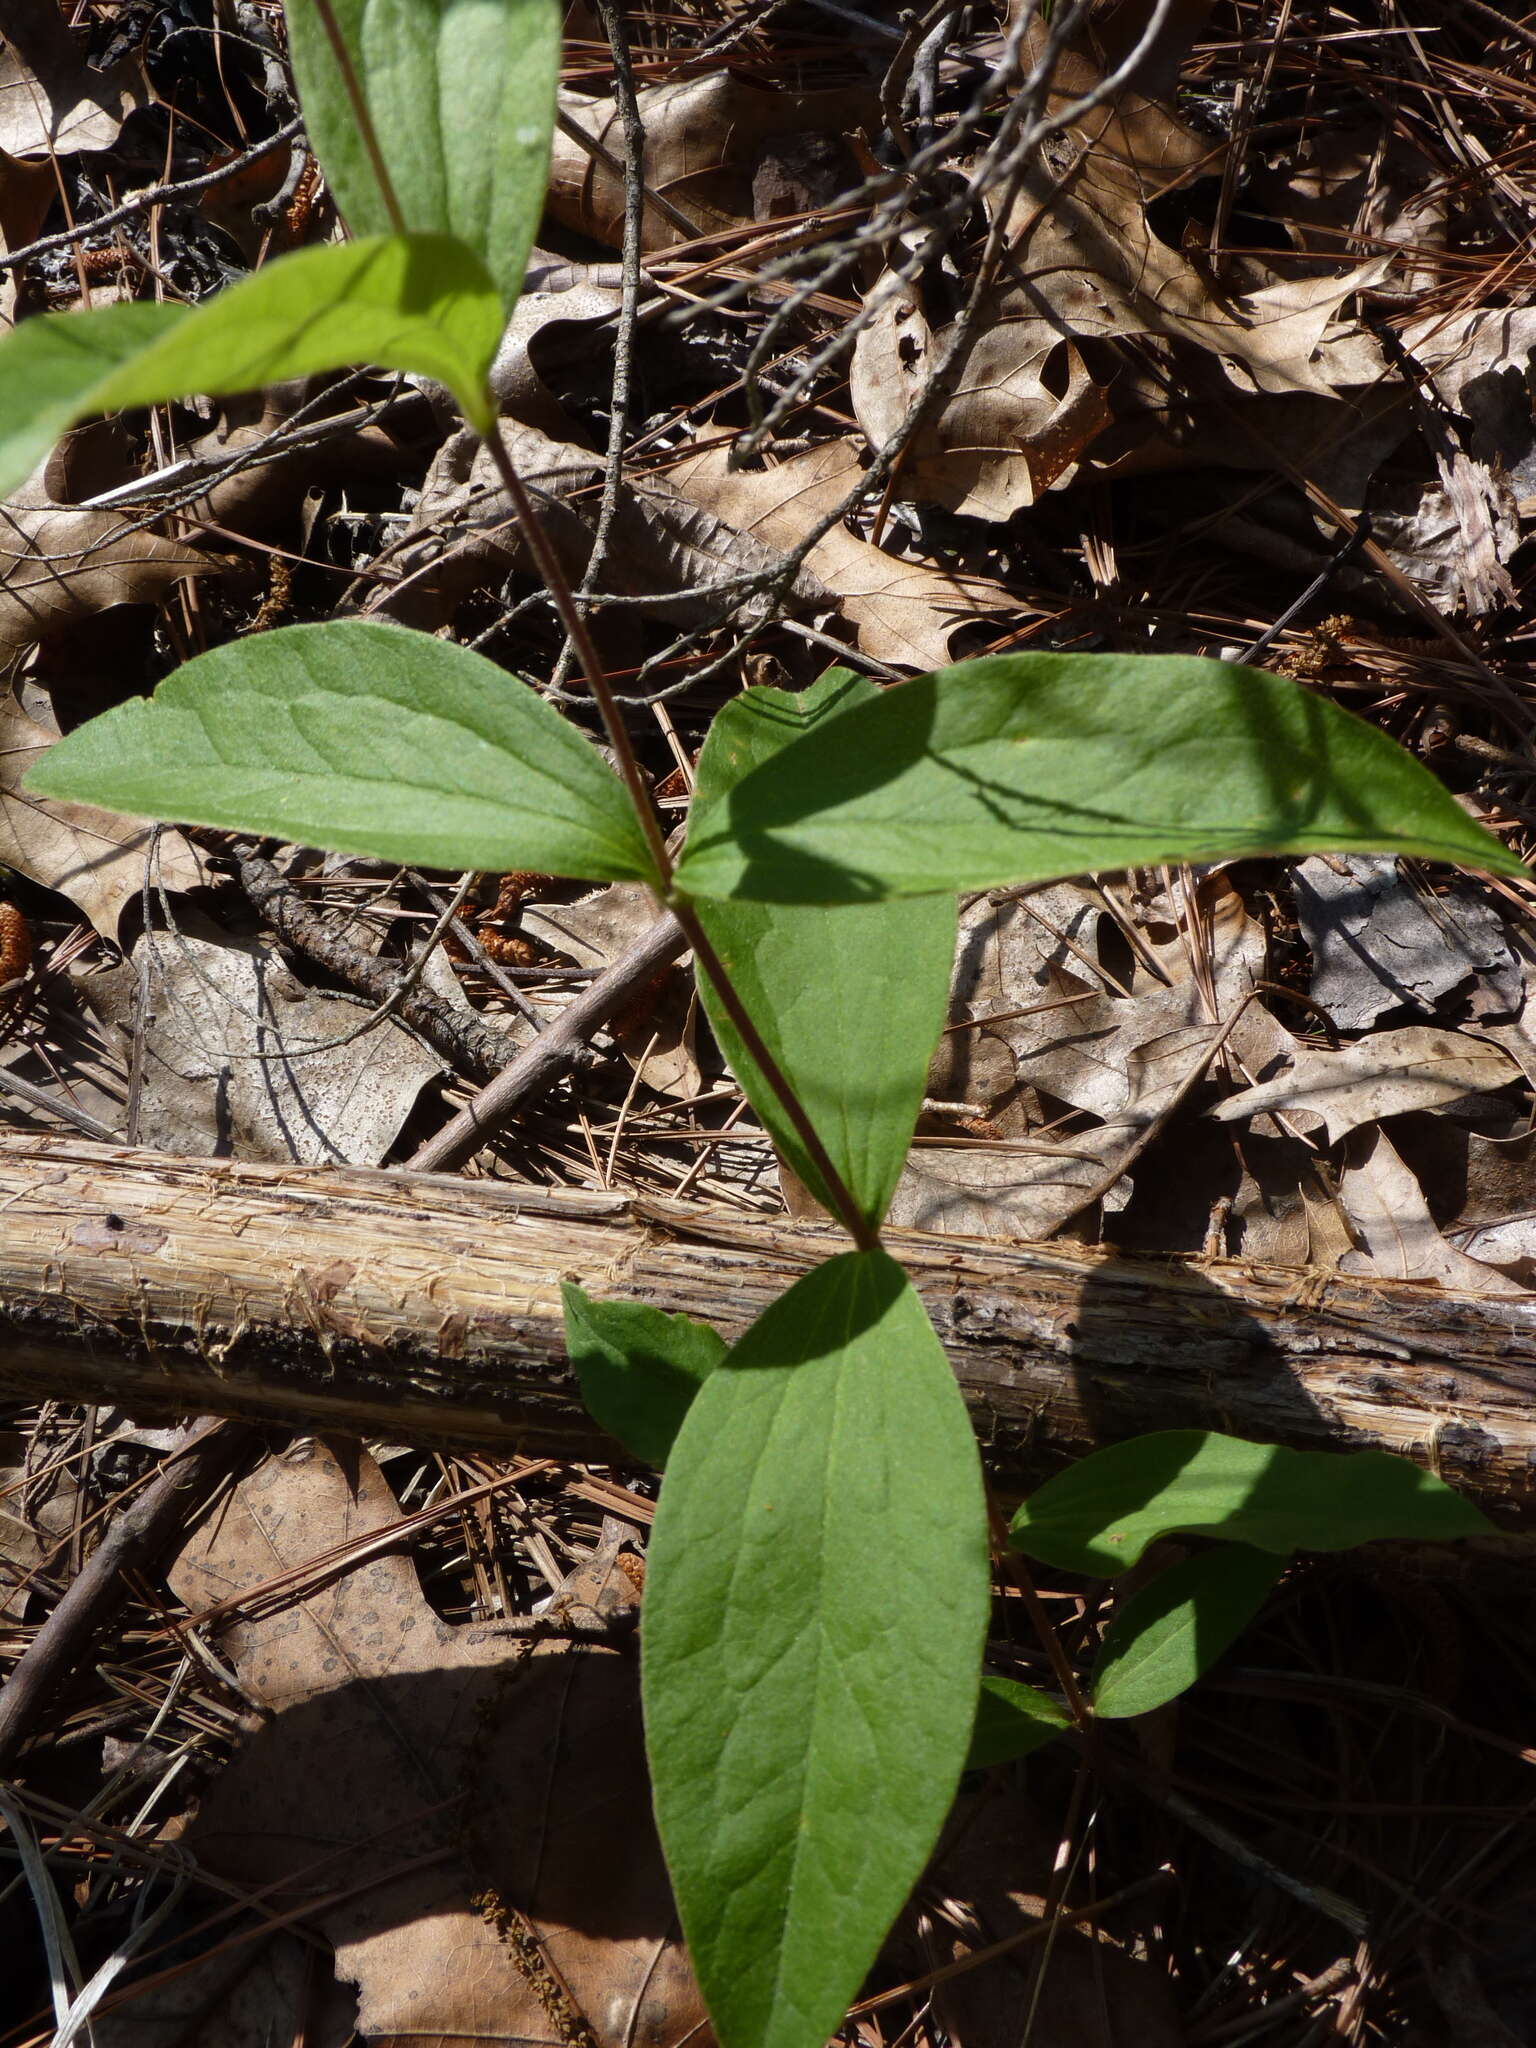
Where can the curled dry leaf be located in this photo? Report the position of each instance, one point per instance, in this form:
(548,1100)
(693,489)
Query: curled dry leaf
(409,1768)
(1037,395)
(1036,1010)
(556,296)
(59,563)
(51,101)
(704,138)
(1384,1075)
(905,613)
(95,858)
(1396,1236)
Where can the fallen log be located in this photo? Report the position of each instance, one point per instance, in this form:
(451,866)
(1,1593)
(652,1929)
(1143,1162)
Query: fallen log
(427,1308)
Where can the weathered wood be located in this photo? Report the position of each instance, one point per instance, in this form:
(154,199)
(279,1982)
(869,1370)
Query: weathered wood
(427,1307)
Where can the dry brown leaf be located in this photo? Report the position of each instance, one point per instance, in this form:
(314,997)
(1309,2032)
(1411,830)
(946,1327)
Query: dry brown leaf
(904,612)
(703,140)
(450,1756)
(1396,1235)
(95,858)
(1111,1041)
(1008,1193)
(461,536)
(556,296)
(59,563)
(227,1070)
(1038,392)
(51,100)
(1044,1018)
(1386,1074)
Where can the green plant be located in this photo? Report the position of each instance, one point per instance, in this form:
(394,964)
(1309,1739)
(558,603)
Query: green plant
(818,1595)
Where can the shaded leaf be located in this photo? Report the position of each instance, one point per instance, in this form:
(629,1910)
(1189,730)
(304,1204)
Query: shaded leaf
(1100,1515)
(462,99)
(639,1368)
(805,974)
(815,1607)
(1169,1633)
(1022,768)
(225,1027)
(702,140)
(386,1725)
(419,302)
(1379,942)
(1395,1233)
(1012,1721)
(362,739)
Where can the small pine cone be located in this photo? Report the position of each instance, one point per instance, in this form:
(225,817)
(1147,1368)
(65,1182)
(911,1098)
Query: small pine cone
(15,945)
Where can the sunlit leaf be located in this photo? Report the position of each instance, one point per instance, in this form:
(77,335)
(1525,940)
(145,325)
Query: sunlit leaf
(807,974)
(1099,1515)
(359,738)
(639,1368)
(462,99)
(1170,1632)
(816,1602)
(1022,768)
(417,302)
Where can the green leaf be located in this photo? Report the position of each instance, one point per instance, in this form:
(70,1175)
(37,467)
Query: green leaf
(1022,768)
(806,974)
(816,1602)
(359,738)
(1100,1515)
(462,98)
(639,1368)
(1012,1721)
(417,302)
(1169,1633)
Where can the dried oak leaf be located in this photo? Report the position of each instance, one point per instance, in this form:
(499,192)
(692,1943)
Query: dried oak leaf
(1044,1014)
(95,858)
(240,1059)
(409,1768)
(703,139)
(1386,1074)
(904,612)
(59,563)
(462,536)
(1396,1236)
(52,102)
(1039,391)
(1379,944)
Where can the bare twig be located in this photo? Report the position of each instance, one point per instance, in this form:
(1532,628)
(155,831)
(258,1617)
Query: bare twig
(541,1064)
(141,202)
(134,1537)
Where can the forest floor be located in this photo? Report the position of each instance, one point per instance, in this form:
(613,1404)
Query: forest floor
(1238,362)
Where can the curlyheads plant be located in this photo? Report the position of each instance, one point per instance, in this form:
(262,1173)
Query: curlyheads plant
(817,1598)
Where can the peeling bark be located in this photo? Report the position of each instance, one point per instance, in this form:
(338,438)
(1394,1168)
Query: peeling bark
(427,1307)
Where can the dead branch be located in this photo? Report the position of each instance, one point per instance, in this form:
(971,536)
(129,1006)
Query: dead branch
(426,1307)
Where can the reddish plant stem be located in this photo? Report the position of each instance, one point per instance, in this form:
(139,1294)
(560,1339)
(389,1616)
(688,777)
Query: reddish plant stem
(846,1209)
